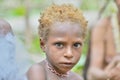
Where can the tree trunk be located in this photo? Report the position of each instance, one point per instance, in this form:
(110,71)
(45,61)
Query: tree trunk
(28,32)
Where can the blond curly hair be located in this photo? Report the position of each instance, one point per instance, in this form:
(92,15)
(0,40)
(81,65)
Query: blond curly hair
(60,13)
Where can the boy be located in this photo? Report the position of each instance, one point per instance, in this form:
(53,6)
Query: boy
(62,31)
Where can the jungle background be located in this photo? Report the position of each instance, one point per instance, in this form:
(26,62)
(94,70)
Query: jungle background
(23,16)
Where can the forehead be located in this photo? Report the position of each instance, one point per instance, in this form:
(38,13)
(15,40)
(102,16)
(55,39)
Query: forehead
(63,28)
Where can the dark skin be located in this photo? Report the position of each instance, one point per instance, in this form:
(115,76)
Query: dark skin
(63,50)
(107,64)
(37,73)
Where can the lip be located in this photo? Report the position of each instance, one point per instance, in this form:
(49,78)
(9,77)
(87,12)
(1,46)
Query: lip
(67,64)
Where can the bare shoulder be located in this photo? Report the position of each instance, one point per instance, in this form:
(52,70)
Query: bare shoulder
(36,72)
(102,24)
(99,30)
(75,76)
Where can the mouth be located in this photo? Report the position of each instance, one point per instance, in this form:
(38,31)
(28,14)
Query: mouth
(67,64)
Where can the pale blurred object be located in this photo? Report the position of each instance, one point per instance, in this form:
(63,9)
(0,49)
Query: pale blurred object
(13,60)
(8,67)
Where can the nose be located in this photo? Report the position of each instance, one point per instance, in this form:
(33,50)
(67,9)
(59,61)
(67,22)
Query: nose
(68,53)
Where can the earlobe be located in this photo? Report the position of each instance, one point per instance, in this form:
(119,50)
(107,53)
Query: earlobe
(42,44)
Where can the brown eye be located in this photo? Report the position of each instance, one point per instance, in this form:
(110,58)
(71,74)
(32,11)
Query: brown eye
(59,45)
(77,45)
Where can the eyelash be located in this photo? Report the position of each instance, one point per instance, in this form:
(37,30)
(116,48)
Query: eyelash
(61,45)
(77,45)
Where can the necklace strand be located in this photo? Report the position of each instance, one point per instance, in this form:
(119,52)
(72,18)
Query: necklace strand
(60,75)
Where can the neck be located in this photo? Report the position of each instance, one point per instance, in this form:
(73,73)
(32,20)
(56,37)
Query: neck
(51,68)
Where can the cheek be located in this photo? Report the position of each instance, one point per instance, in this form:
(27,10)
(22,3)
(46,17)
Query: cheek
(77,58)
(78,54)
(52,53)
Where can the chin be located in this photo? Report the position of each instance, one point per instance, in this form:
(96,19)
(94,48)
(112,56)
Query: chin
(66,70)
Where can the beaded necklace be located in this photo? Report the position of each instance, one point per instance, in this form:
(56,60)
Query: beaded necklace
(60,76)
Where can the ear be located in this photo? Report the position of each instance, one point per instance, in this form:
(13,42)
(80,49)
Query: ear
(42,44)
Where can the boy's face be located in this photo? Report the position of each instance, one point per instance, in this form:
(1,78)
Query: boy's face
(64,45)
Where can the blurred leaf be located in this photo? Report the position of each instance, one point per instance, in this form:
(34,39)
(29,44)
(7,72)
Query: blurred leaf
(35,46)
(89,5)
(19,11)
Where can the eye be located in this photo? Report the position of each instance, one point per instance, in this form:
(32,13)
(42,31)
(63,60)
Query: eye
(59,45)
(77,45)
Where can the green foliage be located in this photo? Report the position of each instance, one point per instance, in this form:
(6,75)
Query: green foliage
(35,46)
(1,1)
(110,9)
(89,5)
(93,4)
(19,11)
